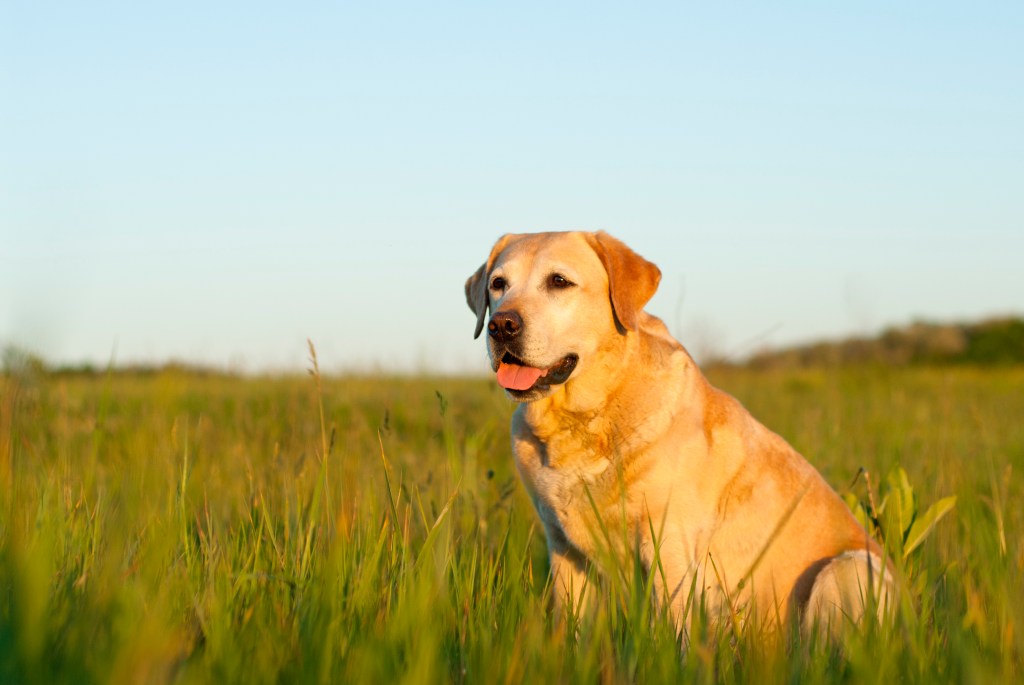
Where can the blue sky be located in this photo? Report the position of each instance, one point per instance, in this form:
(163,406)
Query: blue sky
(217,182)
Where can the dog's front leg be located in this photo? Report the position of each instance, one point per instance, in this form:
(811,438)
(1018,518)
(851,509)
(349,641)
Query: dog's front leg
(569,582)
(568,574)
(676,581)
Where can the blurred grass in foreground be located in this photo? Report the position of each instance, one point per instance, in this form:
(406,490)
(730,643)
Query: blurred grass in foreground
(197,528)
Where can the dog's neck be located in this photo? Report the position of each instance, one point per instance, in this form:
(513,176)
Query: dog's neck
(587,411)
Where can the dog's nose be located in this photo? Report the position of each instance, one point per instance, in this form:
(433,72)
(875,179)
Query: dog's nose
(505,326)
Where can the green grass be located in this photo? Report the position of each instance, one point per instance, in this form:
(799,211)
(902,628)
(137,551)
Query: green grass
(189,528)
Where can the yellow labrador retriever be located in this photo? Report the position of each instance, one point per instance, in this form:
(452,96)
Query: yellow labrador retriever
(620,437)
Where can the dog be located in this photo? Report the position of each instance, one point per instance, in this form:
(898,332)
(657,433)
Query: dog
(619,437)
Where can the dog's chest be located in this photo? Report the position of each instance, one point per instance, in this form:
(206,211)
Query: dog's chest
(563,485)
(570,482)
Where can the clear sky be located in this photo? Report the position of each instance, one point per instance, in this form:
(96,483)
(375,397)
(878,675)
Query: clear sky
(216,182)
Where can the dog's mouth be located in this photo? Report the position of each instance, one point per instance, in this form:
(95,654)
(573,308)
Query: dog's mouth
(519,378)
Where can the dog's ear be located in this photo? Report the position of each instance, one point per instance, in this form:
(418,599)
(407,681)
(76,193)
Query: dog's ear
(632,279)
(476,296)
(476,285)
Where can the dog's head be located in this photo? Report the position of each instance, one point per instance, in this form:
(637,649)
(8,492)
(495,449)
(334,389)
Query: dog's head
(558,301)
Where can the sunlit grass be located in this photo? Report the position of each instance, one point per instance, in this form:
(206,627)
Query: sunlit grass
(186,528)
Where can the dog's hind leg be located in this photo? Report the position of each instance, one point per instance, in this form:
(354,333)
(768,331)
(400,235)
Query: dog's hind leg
(849,586)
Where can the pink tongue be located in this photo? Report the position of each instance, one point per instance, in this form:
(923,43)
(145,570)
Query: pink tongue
(514,377)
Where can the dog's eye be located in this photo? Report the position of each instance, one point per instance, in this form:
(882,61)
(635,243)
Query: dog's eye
(559,281)
(498,283)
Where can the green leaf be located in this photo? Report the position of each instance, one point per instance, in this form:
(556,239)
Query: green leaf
(905,506)
(858,510)
(922,528)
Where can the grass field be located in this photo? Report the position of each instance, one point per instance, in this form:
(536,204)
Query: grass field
(176,527)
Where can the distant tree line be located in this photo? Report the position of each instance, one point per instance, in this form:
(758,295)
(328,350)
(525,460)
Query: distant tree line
(989,343)
(993,342)
(17,361)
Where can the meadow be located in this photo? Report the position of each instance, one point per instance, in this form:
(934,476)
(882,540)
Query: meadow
(179,527)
